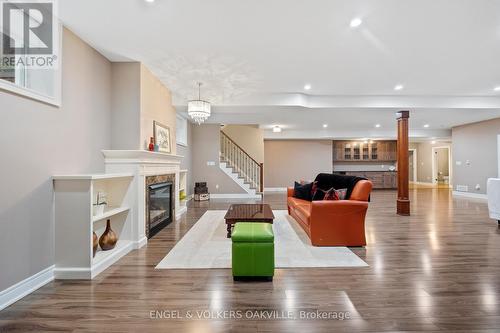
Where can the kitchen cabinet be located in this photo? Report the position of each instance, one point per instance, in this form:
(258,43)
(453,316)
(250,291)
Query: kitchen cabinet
(379,151)
(380,179)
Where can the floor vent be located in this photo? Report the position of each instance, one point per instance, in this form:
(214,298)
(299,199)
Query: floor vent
(462,188)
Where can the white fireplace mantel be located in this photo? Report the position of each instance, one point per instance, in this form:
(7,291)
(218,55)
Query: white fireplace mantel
(141,164)
(140,157)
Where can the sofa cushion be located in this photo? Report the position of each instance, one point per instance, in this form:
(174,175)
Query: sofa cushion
(303,191)
(304,212)
(294,202)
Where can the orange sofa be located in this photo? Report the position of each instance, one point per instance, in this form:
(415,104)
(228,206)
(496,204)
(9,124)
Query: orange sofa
(333,223)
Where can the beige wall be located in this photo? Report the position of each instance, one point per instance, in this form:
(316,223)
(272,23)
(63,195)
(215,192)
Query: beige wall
(286,161)
(477,144)
(424,159)
(248,137)
(126,101)
(138,99)
(205,148)
(37,141)
(156,104)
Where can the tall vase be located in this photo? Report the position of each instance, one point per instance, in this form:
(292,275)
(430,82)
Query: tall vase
(108,238)
(95,242)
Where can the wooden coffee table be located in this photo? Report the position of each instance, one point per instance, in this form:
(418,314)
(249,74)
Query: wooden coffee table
(248,213)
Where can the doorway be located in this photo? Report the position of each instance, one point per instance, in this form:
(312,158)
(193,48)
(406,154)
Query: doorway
(412,165)
(441,163)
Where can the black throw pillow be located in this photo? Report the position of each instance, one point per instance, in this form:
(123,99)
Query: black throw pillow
(303,191)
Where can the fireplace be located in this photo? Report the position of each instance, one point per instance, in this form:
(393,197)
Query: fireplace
(159,207)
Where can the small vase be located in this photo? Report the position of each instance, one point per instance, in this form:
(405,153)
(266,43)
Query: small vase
(151,146)
(95,242)
(108,238)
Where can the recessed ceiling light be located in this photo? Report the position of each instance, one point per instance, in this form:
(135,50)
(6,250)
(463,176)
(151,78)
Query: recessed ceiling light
(277,129)
(497,88)
(307,87)
(150,1)
(427,125)
(378,125)
(325,125)
(433,142)
(356,22)
(398,87)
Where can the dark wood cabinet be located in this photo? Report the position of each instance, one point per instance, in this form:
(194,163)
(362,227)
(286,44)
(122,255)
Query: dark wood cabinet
(383,151)
(380,179)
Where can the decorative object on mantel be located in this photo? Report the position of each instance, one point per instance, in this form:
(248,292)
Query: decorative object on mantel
(156,148)
(151,146)
(201,192)
(199,110)
(108,238)
(100,204)
(162,137)
(95,243)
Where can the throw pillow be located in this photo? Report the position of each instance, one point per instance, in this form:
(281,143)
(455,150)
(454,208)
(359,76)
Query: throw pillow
(331,194)
(302,191)
(342,193)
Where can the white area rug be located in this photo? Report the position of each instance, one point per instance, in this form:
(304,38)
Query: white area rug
(206,246)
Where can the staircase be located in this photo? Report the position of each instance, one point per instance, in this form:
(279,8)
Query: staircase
(240,166)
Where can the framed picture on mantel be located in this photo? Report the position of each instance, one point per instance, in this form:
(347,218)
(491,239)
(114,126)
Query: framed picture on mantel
(161,135)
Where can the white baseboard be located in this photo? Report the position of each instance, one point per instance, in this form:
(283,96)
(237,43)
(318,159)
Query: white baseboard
(275,189)
(423,183)
(470,195)
(143,241)
(25,287)
(235,196)
(180,211)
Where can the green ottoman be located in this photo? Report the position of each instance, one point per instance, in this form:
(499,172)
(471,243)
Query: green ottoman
(253,251)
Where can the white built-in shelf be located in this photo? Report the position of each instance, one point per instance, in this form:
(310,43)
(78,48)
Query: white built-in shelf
(183,171)
(92,176)
(103,259)
(109,212)
(75,196)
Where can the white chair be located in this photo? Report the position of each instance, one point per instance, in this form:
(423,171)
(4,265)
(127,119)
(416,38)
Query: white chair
(493,190)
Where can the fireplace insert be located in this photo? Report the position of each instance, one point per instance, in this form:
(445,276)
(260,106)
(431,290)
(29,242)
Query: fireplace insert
(159,207)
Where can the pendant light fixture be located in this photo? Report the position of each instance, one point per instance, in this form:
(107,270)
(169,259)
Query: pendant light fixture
(199,110)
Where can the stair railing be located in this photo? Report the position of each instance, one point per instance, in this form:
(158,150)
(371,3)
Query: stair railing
(251,171)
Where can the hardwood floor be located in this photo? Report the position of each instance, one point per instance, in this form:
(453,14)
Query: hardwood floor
(437,270)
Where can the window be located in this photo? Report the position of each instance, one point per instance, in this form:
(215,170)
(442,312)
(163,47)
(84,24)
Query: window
(181,130)
(30,62)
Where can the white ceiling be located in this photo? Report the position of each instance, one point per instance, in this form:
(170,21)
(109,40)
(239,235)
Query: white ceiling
(254,58)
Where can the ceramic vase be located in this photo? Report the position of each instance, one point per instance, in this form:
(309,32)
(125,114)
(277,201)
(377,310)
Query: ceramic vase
(108,238)
(95,242)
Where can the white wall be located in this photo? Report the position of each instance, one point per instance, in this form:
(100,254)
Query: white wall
(38,141)
(187,162)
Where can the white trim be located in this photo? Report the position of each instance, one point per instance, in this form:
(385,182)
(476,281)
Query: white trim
(140,243)
(434,179)
(180,211)
(470,195)
(235,177)
(235,196)
(423,183)
(25,287)
(275,189)
(415,164)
